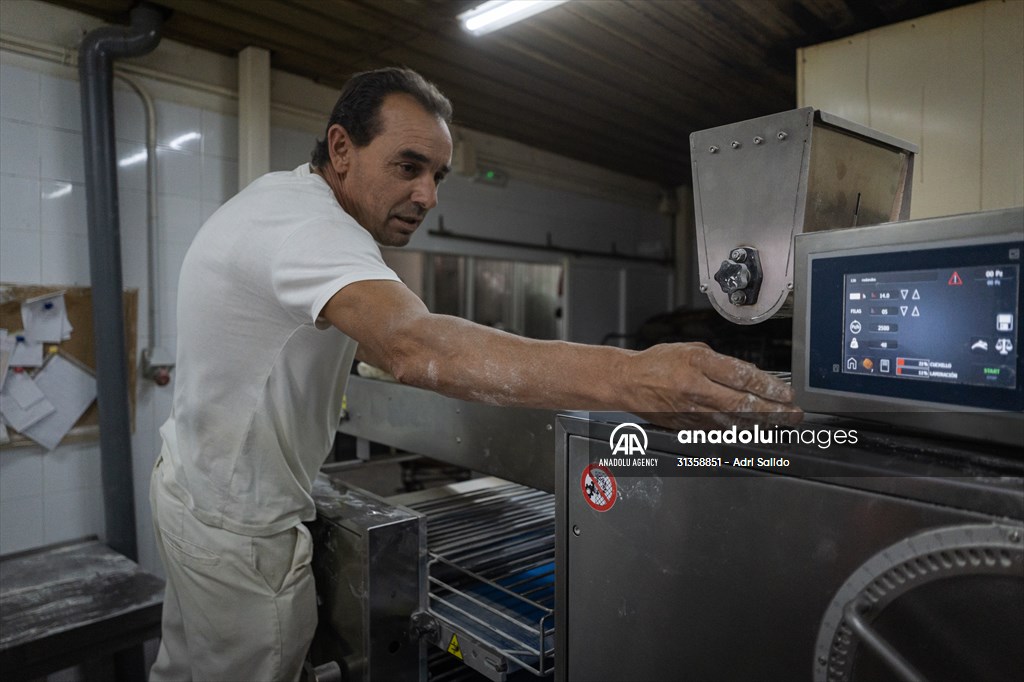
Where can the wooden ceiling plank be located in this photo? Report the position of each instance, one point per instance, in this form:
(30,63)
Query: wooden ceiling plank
(459,55)
(429,64)
(460,48)
(111,11)
(603,73)
(307,64)
(361,31)
(556,90)
(587,75)
(473,111)
(368,17)
(265,33)
(509,98)
(760,48)
(713,88)
(728,56)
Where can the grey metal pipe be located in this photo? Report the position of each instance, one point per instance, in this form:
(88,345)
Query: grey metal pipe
(152,243)
(95,67)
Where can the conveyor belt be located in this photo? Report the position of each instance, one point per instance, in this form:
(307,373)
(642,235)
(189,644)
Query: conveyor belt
(491,570)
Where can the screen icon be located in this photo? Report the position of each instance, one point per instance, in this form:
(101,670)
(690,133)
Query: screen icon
(1004,346)
(855,326)
(851,364)
(1004,322)
(883,365)
(979,345)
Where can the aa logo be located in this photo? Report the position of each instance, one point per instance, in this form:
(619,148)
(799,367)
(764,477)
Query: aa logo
(628,439)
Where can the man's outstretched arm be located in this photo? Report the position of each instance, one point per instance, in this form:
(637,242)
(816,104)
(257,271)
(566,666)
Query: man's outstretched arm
(465,360)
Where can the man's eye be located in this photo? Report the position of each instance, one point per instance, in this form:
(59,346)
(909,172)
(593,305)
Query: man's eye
(407,168)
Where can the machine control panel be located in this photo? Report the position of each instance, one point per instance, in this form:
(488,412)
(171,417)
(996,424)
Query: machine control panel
(951,325)
(935,325)
(916,324)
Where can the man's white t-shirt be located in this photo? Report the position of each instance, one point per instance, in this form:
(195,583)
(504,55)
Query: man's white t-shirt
(259,377)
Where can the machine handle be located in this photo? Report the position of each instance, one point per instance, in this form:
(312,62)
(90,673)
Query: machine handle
(897,663)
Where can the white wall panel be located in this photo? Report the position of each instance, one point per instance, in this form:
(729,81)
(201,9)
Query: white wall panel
(20,258)
(20,145)
(20,198)
(24,107)
(837,75)
(1002,163)
(952,83)
(952,50)
(21,523)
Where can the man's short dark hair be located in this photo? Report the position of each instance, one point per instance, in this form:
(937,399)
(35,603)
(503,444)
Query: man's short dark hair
(358,108)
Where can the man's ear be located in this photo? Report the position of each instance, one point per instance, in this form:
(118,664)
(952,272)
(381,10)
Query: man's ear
(339,145)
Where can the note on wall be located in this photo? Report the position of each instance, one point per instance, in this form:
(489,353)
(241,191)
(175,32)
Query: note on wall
(78,313)
(45,318)
(70,388)
(26,352)
(6,347)
(22,403)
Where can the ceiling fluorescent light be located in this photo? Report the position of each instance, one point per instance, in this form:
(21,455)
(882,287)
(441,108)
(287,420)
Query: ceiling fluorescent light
(496,14)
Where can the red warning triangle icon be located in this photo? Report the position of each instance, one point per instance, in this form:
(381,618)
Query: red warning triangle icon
(954,280)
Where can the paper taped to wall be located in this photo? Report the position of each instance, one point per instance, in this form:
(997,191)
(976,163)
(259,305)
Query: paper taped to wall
(26,353)
(16,392)
(6,348)
(70,388)
(46,319)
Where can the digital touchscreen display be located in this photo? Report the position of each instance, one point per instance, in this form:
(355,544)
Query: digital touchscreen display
(918,317)
(953,325)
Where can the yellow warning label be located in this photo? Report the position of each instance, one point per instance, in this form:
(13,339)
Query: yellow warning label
(453,647)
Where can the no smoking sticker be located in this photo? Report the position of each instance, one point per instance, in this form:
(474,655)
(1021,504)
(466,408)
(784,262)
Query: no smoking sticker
(599,487)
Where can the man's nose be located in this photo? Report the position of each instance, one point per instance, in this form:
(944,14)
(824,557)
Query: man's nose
(424,194)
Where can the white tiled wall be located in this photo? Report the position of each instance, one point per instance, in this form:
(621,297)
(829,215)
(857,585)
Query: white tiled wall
(55,496)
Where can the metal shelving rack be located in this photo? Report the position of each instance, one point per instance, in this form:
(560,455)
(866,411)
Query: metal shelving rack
(491,577)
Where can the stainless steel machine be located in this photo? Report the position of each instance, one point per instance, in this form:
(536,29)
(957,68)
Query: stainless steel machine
(449,583)
(894,560)
(758,184)
(882,539)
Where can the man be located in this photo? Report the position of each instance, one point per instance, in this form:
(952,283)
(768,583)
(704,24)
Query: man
(276,291)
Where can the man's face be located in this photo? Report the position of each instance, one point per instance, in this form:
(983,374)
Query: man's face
(389,185)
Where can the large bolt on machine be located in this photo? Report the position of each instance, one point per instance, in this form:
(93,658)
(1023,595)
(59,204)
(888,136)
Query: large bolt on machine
(880,539)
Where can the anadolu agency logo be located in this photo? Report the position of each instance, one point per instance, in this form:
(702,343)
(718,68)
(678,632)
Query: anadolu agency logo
(628,439)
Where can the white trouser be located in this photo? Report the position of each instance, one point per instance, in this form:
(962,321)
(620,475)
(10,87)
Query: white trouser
(236,607)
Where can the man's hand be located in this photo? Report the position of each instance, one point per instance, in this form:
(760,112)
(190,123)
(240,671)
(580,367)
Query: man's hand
(687,377)
(688,383)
